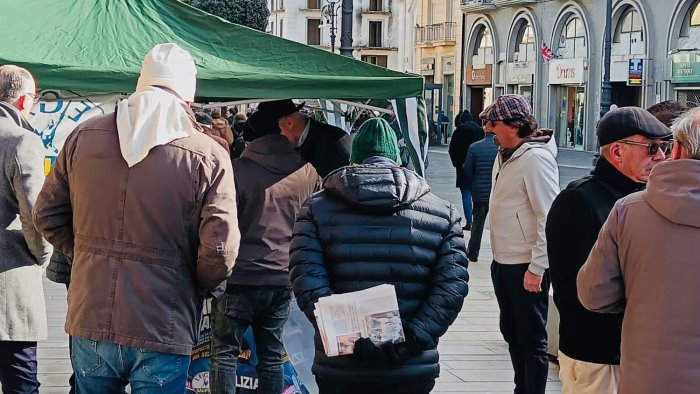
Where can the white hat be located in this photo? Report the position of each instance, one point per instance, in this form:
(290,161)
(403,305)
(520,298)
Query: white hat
(172,67)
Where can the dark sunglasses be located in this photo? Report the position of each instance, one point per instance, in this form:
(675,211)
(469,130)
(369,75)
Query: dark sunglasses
(653,147)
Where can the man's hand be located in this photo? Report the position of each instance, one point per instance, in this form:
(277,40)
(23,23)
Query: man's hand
(532,282)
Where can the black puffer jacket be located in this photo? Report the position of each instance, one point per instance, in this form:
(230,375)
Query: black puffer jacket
(378,224)
(478,168)
(58,269)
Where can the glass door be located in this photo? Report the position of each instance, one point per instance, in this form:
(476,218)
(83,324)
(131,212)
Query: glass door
(579,114)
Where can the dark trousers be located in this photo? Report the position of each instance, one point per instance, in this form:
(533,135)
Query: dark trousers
(18,368)
(331,386)
(481,209)
(523,320)
(265,309)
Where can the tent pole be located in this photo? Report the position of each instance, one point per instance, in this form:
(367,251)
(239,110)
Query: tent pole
(346,29)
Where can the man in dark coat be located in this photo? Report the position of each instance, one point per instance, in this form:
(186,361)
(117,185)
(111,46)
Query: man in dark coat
(360,231)
(478,171)
(632,143)
(272,182)
(466,133)
(326,147)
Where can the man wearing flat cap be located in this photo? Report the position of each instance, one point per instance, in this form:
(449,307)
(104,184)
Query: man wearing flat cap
(525,182)
(632,142)
(326,147)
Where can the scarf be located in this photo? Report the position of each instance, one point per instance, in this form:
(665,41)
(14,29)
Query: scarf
(148,118)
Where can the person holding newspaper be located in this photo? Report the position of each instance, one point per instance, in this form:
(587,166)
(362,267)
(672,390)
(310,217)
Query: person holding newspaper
(376,223)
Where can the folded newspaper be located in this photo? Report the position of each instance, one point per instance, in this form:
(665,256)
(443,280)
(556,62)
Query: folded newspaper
(371,313)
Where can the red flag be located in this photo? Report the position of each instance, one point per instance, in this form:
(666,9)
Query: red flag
(546,52)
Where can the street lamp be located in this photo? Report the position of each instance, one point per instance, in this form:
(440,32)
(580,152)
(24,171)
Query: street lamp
(606,87)
(330,11)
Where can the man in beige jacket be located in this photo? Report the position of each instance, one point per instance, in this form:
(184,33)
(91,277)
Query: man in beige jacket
(645,264)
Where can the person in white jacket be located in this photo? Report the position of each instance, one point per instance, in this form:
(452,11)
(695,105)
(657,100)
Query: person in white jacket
(525,183)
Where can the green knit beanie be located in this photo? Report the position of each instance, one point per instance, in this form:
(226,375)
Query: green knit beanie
(375,138)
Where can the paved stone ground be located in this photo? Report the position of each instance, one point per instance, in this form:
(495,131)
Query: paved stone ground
(474,357)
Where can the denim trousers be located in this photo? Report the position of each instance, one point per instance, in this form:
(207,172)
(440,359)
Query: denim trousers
(263,308)
(106,368)
(481,209)
(523,321)
(18,367)
(467,204)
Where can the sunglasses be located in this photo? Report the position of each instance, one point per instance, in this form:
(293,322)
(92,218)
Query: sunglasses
(653,147)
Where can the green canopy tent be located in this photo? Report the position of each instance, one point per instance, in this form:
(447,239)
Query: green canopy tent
(98,46)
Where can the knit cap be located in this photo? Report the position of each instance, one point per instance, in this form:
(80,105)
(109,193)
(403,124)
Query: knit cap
(375,138)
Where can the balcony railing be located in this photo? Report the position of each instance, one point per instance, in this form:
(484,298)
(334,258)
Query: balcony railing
(508,3)
(477,5)
(438,32)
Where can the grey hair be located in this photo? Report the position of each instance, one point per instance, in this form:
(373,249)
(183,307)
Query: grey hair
(686,131)
(15,82)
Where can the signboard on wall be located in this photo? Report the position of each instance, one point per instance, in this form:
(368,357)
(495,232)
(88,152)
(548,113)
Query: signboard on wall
(567,71)
(479,75)
(685,68)
(635,70)
(521,73)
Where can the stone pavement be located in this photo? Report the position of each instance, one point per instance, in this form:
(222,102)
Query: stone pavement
(474,357)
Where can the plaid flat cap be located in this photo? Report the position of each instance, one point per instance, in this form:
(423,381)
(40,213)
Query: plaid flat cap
(507,107)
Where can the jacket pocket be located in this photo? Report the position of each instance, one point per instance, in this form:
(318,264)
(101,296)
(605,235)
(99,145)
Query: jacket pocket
(520,225)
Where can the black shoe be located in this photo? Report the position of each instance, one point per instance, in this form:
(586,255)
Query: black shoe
(473,259)
(468,227)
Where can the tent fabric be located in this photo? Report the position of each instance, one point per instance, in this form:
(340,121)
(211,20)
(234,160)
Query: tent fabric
(413,123)
(98,46)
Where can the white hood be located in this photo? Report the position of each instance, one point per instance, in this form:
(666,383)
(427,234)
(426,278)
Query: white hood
(148,118)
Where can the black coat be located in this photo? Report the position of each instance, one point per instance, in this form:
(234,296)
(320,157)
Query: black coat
(326,147)
(573,223)
(58,269)
(462,138)
(478,168)
(372,225)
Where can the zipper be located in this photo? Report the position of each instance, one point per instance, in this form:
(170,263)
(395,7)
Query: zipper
(521,227)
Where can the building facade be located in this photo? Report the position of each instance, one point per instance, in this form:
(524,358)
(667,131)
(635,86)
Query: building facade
(655,56)
(381,28)
(438,32)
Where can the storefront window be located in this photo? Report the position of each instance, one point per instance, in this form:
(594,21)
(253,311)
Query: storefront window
(572,43)
(695,16)
(525,44)
(570,127)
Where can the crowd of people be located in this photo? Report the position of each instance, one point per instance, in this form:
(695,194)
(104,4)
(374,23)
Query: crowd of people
(153,208)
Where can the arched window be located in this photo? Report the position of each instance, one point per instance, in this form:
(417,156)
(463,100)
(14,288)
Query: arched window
(695,16)
(574,28)
(572,40)
(483,41)
(630,22)
(525,43)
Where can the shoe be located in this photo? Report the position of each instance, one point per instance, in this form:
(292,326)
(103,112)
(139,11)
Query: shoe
(473,259)
(468,227)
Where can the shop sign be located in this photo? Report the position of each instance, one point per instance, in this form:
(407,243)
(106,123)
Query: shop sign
(479,75)
(520,73)
(634,72)
(567,71)
(427,66)
(685,68)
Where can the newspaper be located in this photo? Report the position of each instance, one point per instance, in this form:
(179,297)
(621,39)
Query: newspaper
(371,313)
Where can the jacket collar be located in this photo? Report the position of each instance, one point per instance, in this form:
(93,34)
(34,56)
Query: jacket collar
(10,112)
(608,174)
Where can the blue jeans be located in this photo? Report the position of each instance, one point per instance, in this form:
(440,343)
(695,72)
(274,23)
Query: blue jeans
(18,367)
(106,368)
(467,204)
(265,309)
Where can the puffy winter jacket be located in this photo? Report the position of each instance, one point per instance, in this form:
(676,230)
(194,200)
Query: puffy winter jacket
(378,224)
(478,167)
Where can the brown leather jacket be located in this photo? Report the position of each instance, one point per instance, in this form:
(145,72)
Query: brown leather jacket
(221,128)
(146,242)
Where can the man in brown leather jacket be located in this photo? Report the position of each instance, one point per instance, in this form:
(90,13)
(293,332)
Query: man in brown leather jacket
(144,206)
